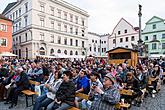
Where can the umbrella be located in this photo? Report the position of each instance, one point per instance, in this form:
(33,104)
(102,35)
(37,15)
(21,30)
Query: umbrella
(7,54)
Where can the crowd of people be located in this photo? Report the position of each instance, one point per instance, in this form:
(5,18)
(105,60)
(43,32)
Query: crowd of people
(61,79)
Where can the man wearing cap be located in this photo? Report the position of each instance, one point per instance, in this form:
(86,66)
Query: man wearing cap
(107,97)
(21,84)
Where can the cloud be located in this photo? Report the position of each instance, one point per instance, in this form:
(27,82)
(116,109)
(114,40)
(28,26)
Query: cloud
(105,14)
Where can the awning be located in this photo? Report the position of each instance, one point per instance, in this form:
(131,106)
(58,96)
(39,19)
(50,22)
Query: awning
(156,55)
(7,54)
(69,56)
(46,56)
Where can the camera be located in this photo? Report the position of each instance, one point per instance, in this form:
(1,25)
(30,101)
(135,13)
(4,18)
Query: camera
(95,83)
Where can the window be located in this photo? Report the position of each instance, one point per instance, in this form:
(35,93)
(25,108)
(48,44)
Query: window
(42,22)
(26,37)
(94,49)
(153,46)
(146,37)
(52,39)
(10,17)
(3,42)
(104,42)
(92,41)
(59,26)
(52,11)
(71,18)
(125,31)
(42,51)
(19,53)
(146,47)
(76,19)
(104,49)
(154,37)
(26,52)
(19,39)
(118,32)
(125,55)
(126,39)
(16,14)
(82,43)
(126,46)
(95,41)
(16,40)
(76,31)
(13,16)
(83,22)
(82,33)
(114,41)
(65,52)
(90,48)
(65,15)
(132,38)
(163,36)
(154,26)
(65,28)
(76,53)
(42,7)
(58,51)
(71,30)
(71,52)
(16,27)
(52,52)
(98,49)
(65,41)
(19,12)
(52,24)
(76,42)
(121,39)
(59,40)
(20,25)
(3,27)
(42,36)
(83,53)
(26,7)
(163,45)
(71,42)
(59,13)
(25,21)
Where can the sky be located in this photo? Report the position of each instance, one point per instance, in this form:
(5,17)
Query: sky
(105,14)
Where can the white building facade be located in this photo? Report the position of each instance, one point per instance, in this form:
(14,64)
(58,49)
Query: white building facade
(123,35)
(97,44)
(47,27)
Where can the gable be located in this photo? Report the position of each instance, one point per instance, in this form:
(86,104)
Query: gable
(155,19)
(122,25)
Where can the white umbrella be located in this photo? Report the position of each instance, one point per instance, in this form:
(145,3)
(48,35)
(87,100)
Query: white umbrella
(7,54)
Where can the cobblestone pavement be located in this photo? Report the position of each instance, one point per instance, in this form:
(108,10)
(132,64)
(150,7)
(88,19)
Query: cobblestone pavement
(157,103)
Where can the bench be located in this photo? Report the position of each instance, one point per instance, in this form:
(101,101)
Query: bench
(126,92)
(30,93)
(84,96)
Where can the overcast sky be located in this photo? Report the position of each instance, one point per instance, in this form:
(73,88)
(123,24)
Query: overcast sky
(105,14)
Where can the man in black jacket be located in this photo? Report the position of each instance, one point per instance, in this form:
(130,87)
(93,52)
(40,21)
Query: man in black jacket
(21,84)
